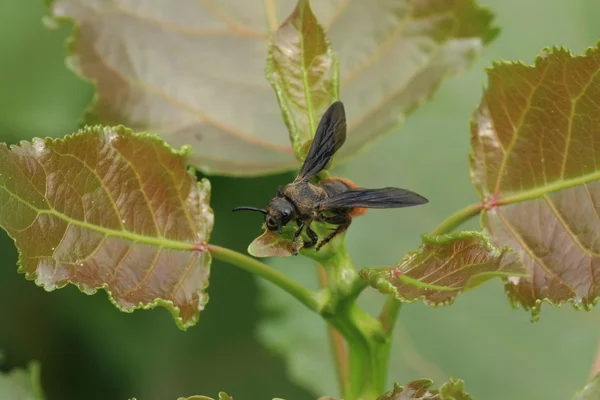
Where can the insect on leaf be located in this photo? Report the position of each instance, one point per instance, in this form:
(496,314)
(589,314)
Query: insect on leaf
(536,164)
(109,209)
(443,267)
(194,71)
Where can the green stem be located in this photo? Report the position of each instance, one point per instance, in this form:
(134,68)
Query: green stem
(389,314)
(337,342)
(258,268)
(363,333)
(458,218)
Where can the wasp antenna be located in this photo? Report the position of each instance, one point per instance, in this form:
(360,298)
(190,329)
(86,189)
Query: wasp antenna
(261,210)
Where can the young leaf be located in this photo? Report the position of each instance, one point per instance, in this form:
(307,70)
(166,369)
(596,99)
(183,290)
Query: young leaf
(302,69)
(193,72)
(591,391)
(442,267)
(419,389)
(109,209)
(21,384)
(535,164)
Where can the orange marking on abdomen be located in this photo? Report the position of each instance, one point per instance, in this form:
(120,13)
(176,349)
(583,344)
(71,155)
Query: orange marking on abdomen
(348,182)
(355,212)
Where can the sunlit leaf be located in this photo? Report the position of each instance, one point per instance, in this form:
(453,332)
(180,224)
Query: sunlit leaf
(443,267)
(303,72)
(420,389)
(591,391)
(536,164)
(108,209)
(194,71)
(21,384)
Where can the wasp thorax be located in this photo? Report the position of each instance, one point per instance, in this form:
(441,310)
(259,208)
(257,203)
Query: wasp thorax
(279,212)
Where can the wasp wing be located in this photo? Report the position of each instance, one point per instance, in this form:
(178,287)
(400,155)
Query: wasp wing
(388,197)
(330,136)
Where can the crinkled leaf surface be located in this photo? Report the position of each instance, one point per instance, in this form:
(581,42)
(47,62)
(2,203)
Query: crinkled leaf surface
(421,390)
(107,208)
(193,71)
(302,69)
(21,384)
(536,164)
(591,391)
(443,267)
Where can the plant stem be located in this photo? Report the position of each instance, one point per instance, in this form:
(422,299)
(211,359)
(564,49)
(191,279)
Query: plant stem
(363,333)
(258,268)
(337,342)
(389,314)
(596,365)
(457,219)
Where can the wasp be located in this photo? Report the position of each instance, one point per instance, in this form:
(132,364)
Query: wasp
(333,200)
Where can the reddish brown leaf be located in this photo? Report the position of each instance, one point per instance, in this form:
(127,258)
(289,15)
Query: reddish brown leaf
(442,268)
(108,209)
(536,164)
(193,71)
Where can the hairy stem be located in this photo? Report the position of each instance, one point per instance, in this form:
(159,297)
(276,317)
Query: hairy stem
(457,219)
(258,268)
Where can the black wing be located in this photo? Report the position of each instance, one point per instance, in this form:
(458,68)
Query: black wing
(389,197)
(330,136)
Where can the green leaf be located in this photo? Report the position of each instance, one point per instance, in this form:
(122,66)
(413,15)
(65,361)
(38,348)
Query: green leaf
(109,209)
(535,165)
(443,267)
(302,69)
(21,384)
(591,391)
(193,72)
(420,390)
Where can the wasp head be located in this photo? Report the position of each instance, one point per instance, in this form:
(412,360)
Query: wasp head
(278,213)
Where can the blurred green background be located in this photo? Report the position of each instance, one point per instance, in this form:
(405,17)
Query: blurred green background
(90,350)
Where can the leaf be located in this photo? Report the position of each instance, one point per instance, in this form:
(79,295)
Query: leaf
(270,244)
(222,396)
(420,390)
(193,72)
(591,391)
(443,267)
(107,208)
(21,384)
(302,69)
(535,164)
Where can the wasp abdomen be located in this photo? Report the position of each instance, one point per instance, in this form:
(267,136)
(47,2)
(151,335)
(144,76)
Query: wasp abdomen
(335,185)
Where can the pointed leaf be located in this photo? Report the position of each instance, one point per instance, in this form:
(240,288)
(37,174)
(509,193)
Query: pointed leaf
(536,164)
(193,71)
(419,389)
(303,72)
(271,244)
(109,209)
(21,384)
(442,267)
(591,391)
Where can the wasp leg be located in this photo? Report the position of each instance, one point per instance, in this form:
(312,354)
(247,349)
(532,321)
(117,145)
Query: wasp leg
(296,236)
(341,220)
(312,236)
